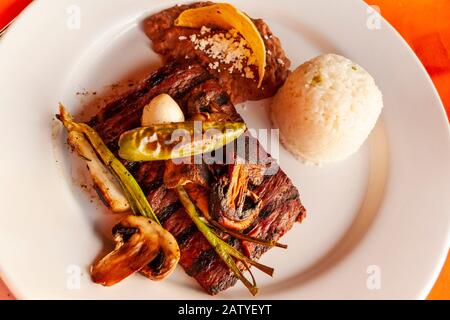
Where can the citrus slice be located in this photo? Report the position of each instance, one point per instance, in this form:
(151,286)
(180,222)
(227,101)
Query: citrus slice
(226,16)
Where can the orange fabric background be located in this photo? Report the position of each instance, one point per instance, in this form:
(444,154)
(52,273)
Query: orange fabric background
(9,9)
(425,24)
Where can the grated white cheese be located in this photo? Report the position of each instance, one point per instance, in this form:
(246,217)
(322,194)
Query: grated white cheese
(204,30)
(226,48)
(214,66)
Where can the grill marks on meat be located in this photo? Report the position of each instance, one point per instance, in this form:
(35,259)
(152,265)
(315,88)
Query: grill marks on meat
(125,113)
(281,209)
(193,89)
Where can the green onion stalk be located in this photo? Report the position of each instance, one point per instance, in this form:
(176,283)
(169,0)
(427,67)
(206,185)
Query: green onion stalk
(243,237)
(133,192)
(226,252)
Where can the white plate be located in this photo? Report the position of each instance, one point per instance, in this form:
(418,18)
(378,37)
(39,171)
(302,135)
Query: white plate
(383,214)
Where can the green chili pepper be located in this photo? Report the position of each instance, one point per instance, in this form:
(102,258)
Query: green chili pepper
(133,192)
(226,252)
(177,140)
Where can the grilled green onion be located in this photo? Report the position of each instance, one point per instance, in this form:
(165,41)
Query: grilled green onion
(243,237)
(138,202)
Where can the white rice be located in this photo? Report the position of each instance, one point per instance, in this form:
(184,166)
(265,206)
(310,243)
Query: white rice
(326,109)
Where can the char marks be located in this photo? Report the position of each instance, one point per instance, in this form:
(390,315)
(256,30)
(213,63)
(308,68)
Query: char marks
(194,89)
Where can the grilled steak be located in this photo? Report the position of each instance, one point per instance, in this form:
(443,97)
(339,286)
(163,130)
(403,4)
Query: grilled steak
(124,113)
(278,200)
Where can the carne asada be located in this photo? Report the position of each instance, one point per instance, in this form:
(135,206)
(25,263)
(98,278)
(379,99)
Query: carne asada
(278,204)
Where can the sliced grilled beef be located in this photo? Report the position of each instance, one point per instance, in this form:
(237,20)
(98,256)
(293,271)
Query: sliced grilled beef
(125,112)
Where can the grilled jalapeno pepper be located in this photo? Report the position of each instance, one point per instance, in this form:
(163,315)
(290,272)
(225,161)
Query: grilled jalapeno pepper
(177,140)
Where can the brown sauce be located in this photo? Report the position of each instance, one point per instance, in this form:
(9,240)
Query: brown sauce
(166,41)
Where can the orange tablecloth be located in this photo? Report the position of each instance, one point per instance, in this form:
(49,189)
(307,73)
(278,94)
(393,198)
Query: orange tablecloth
(425,24)
(9,9)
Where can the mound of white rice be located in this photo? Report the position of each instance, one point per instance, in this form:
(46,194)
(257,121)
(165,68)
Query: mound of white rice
(326,109)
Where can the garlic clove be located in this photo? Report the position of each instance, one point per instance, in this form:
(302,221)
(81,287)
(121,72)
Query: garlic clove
(162,109)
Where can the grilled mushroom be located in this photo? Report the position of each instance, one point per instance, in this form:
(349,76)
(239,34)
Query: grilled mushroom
(232,204)
(139,241)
